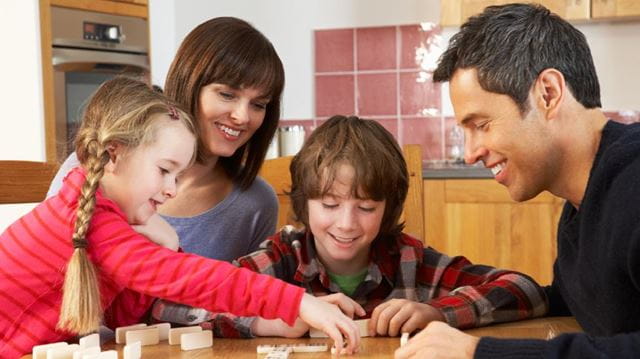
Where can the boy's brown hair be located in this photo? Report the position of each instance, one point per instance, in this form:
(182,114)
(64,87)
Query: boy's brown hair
(380,168)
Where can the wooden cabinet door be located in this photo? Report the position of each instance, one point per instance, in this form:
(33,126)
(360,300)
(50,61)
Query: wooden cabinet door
(478,219)
(455,12)
(614,8)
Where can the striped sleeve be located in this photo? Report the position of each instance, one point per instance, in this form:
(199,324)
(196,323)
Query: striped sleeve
(275,258)
(131,260)
(471,295)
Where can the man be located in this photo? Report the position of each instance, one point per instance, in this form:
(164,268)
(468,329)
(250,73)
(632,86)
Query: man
(524,88)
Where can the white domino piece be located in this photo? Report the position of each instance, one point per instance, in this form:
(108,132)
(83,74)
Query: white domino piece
(309,348)
(163,330)
(279,352)
(197,340)
(362,327)
(62,352)
(404,339)
(122,331)
(132,351)
(109,354)
(90,341)
(144,336)
(40,351)
(175,333)
(265,348)
(81,353)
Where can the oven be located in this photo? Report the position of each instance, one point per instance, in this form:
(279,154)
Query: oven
(88,49)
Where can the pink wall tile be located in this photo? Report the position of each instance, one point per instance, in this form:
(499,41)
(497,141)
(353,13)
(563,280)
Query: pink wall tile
(377,94)
(334,95)
(413,37)
(418,94)
(424,131)
(334,50)
(376,48)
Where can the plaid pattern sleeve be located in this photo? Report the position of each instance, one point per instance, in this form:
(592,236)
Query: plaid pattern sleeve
(276,257)
(471,295)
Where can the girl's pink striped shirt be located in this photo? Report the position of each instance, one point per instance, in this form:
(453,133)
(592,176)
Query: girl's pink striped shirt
(34,252)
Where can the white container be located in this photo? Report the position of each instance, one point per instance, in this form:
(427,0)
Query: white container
(291,139)
(274,147)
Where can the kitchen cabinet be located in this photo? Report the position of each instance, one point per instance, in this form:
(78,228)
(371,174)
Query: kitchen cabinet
(614,8)
(477,218)
(455,12)
(137,8)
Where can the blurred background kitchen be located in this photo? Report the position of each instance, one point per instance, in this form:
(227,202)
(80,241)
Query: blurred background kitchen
(372,58)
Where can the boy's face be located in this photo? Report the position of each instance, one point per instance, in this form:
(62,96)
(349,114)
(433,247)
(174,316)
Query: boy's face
(141,179)
(344,227)
(520,151)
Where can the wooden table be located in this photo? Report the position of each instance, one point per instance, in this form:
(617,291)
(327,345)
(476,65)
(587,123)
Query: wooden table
(544,328)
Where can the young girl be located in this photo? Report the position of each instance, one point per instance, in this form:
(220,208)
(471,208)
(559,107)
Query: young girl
(76,257)
(349,184)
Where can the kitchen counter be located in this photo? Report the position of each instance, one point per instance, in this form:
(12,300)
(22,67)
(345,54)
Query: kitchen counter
(442,169)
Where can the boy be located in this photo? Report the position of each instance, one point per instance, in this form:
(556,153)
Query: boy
(349,183)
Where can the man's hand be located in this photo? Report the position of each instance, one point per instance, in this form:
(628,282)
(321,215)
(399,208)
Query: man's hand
(439,340)
(397,316)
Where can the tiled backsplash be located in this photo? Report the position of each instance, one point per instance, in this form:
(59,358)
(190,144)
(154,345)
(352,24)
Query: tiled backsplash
(384,74)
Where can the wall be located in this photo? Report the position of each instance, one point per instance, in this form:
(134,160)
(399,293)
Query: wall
(21,98)
(292,39)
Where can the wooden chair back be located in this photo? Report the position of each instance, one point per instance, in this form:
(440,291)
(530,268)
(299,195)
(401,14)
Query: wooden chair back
(276,173)
(25,181)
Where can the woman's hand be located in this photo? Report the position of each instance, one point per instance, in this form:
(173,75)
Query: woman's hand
(330,319)
(347,305)
(277,328)
(159,232)
(439,340)
(397,316)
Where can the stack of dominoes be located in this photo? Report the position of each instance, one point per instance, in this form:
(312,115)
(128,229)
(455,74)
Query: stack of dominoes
(88,347)
(282,351)
(133,336)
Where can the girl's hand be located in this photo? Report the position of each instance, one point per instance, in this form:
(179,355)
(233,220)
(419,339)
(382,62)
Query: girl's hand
(328,318)
(159,232)
(348,306)
(277,328)
(439,340)
(397,316)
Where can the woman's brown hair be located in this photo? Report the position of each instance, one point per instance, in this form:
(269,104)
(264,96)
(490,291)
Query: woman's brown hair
(124,111)
(380,168)
(230,51)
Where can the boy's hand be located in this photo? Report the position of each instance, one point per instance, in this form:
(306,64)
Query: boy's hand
(277,328)
(348,306)
(328,318)
(159,232)
(397,316)
(439,340)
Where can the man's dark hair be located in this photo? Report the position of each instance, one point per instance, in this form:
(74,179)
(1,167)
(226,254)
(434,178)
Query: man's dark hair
(511,45)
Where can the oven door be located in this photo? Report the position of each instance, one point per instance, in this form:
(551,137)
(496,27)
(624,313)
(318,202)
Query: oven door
(77,74)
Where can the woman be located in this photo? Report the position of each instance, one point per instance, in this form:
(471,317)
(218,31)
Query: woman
(229,76)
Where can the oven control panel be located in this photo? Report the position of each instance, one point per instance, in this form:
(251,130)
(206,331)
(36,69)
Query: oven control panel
(101,32)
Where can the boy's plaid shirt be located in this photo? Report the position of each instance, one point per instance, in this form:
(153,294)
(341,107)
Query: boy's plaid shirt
(468,295)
